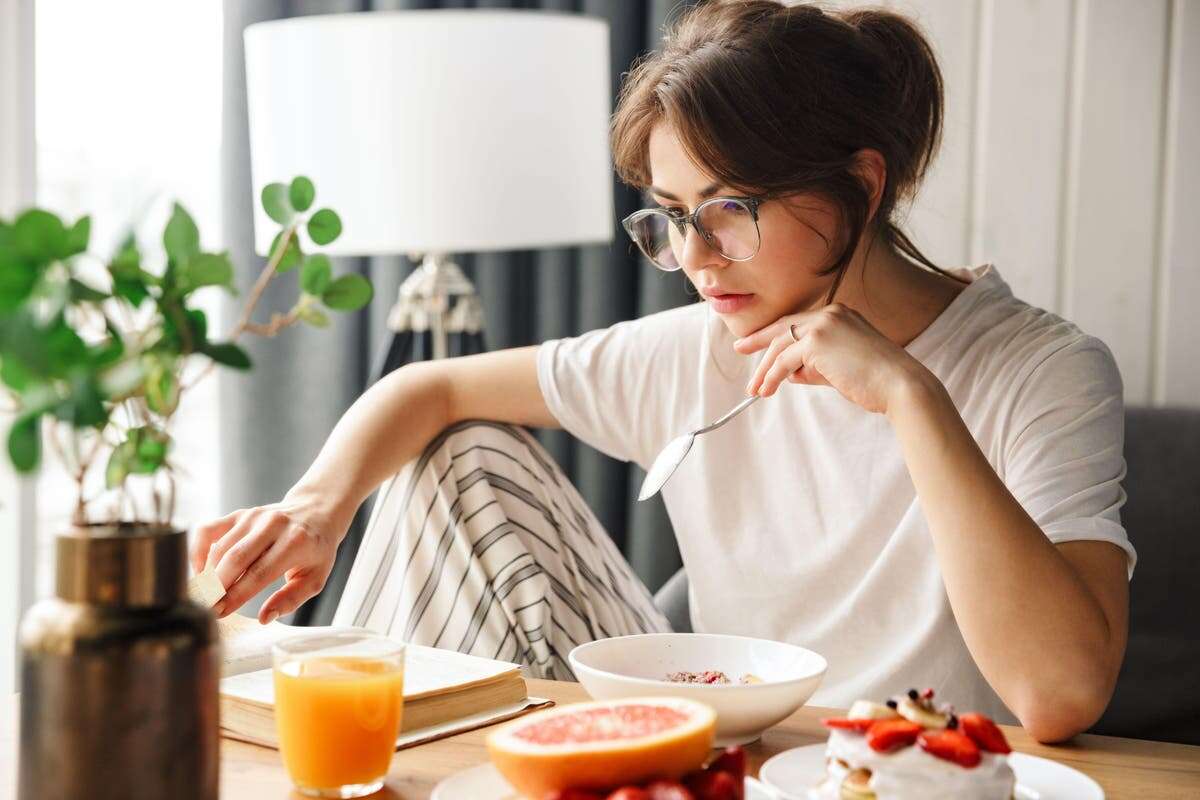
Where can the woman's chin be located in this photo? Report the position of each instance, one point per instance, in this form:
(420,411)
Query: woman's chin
(743,324)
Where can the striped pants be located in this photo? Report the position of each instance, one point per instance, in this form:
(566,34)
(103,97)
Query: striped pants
(483,546)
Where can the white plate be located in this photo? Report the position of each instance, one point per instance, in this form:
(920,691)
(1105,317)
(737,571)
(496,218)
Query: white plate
(485,783)
(791,771)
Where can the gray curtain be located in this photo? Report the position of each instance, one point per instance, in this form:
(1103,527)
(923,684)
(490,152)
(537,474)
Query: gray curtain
(275,418)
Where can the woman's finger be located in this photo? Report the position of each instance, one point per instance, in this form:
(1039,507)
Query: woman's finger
(238,558)
(791,360)
(753,342)
(299,586)
(241,526)
(260,574)
(764,364)
(206,534)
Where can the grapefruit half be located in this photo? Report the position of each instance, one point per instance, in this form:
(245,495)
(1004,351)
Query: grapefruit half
(603,744)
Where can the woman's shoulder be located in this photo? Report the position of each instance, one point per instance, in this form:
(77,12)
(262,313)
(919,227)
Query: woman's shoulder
(1003,339)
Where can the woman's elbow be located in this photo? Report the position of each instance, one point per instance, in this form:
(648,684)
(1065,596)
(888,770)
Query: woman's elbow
(1055,716)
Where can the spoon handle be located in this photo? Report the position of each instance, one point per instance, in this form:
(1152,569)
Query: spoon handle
(733,412)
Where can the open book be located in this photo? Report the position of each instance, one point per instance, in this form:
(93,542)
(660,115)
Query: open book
(445,692)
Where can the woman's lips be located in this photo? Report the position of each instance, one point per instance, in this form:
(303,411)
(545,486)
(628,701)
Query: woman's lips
(729,303)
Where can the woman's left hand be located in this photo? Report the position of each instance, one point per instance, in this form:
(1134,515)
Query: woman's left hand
(833,346)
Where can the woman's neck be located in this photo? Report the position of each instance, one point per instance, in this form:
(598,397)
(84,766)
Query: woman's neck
(898,297)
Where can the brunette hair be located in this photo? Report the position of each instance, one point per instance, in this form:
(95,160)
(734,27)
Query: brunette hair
(775,100)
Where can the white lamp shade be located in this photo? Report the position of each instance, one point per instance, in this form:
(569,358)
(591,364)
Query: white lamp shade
(436,131)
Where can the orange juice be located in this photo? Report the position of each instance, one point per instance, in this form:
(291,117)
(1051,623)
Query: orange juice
(338,718)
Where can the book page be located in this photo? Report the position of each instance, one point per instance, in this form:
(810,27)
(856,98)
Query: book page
(427,670)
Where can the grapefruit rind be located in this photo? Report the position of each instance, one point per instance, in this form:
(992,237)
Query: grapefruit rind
(536,769)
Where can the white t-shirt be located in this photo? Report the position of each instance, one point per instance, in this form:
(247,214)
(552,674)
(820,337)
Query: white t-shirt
(798,520)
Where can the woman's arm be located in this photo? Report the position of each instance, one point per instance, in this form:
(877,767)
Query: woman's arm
(1045,623)
(386,428)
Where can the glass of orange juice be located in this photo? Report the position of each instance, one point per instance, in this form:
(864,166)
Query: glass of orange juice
(338,703)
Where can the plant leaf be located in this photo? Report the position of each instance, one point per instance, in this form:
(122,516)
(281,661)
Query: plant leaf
(149,449)
(348,293)
(17,279)
(77,238)
(302,193)
(291,256)
(62,348)
(315,317)
(14,375)
(39,235)
(118,464)
(160,388)
(324,226)
(80,292)
(84,407)
(276,203)
(25,443)
(229,354)
(206,269)
(316,274)
(181,238)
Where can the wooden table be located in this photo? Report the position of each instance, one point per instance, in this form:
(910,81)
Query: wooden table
(1126,768)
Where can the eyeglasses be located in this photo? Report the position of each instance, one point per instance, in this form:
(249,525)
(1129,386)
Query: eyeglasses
(728,225)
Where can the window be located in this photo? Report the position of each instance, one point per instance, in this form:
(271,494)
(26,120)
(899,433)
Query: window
(128,120)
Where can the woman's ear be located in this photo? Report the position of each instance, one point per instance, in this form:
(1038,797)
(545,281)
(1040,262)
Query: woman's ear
(871,169)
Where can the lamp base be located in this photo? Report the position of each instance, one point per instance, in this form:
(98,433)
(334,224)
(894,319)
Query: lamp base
(424,302)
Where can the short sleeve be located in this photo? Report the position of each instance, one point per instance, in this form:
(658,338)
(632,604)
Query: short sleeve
(619,388)
(1065,456)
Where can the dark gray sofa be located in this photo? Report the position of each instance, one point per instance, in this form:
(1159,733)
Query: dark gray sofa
(1158,691)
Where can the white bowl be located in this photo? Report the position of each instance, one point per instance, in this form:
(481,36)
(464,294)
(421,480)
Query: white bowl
(637,666)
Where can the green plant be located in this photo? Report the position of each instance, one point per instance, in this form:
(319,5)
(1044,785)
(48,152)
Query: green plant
(101,369)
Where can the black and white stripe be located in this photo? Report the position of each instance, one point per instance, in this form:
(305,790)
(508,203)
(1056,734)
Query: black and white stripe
(481,545)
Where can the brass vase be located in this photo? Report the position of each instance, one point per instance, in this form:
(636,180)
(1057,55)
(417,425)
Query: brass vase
(119,674)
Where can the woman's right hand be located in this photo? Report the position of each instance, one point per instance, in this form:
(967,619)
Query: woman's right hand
(250,548)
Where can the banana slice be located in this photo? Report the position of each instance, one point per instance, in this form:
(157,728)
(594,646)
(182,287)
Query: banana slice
(914,712)
(865,709)
(856,785)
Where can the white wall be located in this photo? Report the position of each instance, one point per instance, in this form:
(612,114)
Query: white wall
(1071,160)
(17,506)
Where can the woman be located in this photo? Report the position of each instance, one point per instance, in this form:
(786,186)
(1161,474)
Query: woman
(934,502)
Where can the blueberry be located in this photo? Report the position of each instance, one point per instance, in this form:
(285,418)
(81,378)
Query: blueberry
(891,704)
(912,694)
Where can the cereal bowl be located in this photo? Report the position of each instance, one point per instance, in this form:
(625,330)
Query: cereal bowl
(639,665)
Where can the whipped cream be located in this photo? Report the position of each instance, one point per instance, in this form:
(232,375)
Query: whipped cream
(912,774)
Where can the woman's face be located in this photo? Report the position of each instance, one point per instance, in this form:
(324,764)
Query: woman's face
(780,279)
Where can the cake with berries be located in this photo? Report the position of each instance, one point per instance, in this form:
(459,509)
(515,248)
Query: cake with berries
(912,747)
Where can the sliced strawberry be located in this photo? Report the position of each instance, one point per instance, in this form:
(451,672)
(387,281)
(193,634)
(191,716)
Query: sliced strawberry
(731,760)
(707,785)
(860,725)
(574,794)
(668,790)
(889,734)
(950,745)
(984,733)
(629,793)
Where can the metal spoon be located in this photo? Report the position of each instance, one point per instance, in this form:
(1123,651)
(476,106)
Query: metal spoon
(671,456)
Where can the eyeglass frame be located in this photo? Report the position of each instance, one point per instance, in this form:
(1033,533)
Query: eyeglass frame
(682,220)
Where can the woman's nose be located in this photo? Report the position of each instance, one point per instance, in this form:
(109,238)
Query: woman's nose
(697,253)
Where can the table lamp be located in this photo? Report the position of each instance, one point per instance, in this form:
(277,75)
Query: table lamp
(436,132)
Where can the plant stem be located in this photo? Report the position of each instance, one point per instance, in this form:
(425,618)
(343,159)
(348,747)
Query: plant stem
(244,324)
(278,322)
